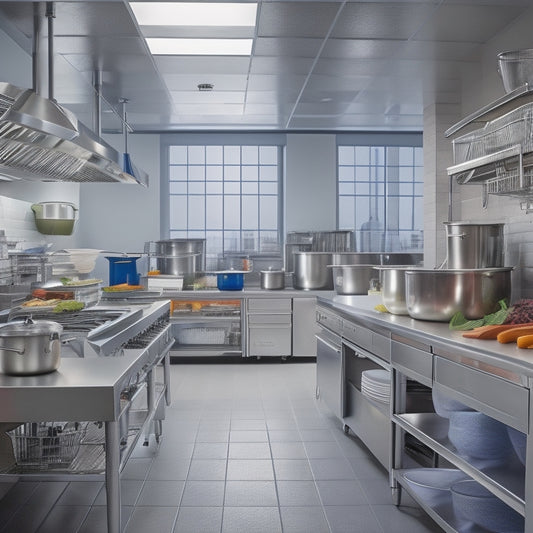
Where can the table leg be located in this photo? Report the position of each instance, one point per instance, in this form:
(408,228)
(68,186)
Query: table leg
(166,376)
(112,476)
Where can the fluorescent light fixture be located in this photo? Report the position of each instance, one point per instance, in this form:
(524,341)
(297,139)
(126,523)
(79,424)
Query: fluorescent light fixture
(210,47)
(194,13)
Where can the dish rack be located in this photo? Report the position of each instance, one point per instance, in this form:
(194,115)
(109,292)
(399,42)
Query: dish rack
(47,444)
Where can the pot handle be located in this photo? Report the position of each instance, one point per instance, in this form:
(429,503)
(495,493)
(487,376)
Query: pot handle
(460,235)
(20,352)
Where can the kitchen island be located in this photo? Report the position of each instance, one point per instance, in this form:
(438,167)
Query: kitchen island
(90,387)
(489,377)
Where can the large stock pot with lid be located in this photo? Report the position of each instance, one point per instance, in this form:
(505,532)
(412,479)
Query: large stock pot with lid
(30,347)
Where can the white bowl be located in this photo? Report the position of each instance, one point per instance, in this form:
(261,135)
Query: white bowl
(433,483)
(473,502)
(444,404)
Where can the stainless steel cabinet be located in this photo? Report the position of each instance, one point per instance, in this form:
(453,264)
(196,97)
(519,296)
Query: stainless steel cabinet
(495,392)
(330,371)
(269,328)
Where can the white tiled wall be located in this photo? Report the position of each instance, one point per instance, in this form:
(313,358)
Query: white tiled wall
(17,220)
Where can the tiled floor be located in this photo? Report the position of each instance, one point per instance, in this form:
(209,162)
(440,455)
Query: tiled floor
(246,449)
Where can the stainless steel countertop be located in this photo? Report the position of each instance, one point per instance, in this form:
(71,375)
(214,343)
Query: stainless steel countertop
(84,388)
(436,335)
(251,292)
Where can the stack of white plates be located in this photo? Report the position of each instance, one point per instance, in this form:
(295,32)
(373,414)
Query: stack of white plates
(376,385)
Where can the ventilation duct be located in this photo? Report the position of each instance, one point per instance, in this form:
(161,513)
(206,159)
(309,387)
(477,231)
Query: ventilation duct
(40,140)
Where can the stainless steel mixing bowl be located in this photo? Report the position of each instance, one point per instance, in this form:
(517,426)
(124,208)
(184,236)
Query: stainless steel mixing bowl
(439,294)
(393,288)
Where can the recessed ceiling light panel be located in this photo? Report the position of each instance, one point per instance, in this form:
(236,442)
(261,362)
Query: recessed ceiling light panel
(194,13)
(210,47)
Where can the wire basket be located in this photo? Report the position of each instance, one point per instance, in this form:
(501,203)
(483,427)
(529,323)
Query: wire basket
(47,444)
(201,336)
(513,128)
(509,184)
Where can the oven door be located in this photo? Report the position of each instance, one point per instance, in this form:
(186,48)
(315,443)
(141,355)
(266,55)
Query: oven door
(330,371)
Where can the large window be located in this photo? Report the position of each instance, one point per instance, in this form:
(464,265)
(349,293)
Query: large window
(228,193)
(380,191)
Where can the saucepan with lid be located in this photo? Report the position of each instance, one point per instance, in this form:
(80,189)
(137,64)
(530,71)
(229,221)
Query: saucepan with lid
(30,347)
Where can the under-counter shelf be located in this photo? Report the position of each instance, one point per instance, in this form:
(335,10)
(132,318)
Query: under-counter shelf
(440,508)
(505,480)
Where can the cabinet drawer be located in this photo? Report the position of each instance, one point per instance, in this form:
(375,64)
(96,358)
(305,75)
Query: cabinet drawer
(371,341)
(413,362)
(270,305)
(501,399)
(273,340)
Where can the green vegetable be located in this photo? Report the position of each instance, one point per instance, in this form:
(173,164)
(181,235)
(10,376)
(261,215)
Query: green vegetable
(460,323)
(68,305)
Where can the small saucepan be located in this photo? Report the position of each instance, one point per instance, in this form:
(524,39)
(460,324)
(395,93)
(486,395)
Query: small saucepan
(272,279)
(30,347)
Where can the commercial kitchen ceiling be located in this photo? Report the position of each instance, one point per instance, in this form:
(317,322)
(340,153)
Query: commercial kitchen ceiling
(315,65)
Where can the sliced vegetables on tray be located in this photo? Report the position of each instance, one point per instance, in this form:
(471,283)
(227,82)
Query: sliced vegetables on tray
(460,323)
(123,287)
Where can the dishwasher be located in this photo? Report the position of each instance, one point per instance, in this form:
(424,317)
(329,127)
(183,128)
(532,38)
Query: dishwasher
(329,361)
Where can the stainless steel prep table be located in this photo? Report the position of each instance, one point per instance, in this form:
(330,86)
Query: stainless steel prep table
(83,388)
(493,378)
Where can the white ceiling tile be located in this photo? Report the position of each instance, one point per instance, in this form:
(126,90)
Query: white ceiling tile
(361,48)
(202,65)
(189,82)
(287,46)
(280,65)
(281,84)
(209,109)
(296,19)
(207,97)
(392,20)
(467,23)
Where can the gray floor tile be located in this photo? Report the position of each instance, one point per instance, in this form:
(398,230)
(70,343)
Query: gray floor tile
(199,520)
(96,519)
(251,520)
(15,498)
(341,492)
(137,468)
(210,450)
(249,469)
(203,494)
(80,493)
(250,493)
(297,493)
(354,519)
(160,519)
(292,469)
(316,435)
(129,492)
(207,469)
(368,467)
(166,469)
(403,518)
(162,493)
(284,435)
(304,520)
(213,435)
(280,423)
(323,450)
(288,450)
(249,450)
(171,449)
(247,414)
(248,424)
(65,518)
(316,422)
(332,469)
(248,436)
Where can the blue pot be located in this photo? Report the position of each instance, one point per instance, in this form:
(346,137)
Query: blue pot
(230,281)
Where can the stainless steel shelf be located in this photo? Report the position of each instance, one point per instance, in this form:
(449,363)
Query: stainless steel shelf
(439,509)
(206,350)
(506,481)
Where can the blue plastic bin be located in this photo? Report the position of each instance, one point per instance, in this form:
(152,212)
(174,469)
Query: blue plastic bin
(230,281)
(123,270)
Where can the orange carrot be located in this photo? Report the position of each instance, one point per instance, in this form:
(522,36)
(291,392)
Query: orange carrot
(525,341)
(512,334)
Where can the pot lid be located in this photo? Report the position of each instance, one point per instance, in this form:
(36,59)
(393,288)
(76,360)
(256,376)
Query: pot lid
(30,328)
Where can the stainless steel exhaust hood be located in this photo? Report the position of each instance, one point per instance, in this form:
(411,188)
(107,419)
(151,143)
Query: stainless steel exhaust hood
(42,141)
